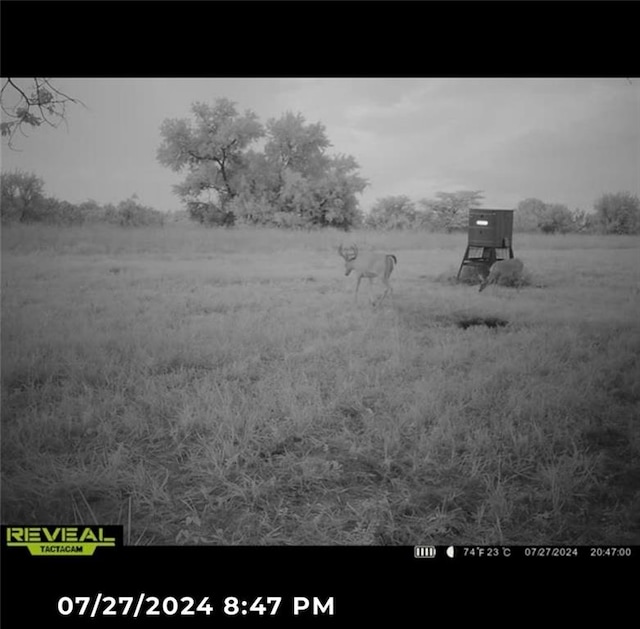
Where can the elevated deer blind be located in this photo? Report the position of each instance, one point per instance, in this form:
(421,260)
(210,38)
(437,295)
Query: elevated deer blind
(490,239)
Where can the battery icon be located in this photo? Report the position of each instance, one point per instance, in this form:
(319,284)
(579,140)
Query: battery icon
(424,552)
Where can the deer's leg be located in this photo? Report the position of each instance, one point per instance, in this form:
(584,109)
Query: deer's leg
(372,299)
(388,290)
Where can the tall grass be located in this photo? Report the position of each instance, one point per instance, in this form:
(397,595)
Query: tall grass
(220,386)
(191,240)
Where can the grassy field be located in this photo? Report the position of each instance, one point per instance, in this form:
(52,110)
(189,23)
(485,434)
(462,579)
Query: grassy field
(221,387)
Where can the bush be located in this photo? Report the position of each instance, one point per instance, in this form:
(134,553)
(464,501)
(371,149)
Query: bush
(63,213)
(210,214)
(133,214)
(555,219)
(393,212)
(534,215)
(618,213)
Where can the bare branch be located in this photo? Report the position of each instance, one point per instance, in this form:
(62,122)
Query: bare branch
(16,87)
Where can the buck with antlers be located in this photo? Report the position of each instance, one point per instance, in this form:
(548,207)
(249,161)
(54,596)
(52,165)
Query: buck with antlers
(370,265)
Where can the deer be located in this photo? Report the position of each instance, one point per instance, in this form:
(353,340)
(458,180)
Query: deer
(370,265)
(504,269)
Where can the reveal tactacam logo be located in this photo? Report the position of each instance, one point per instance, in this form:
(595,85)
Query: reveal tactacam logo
(62,540)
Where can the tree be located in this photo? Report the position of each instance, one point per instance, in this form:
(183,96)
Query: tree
(211,149)
(304,183)
(556,218)
(31,103)
(291,182)
(450,210)
(131,213)
(550,218)
(21,196)
(580,220)
(393,212)
(618,213)
(528,215)
(335,194)
(296,146)
(583,221)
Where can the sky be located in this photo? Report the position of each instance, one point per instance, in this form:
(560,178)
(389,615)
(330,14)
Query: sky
(561,140)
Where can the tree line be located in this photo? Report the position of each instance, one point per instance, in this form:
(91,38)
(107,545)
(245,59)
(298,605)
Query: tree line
(240,171)
(22,200)
(613,213)
(293,182)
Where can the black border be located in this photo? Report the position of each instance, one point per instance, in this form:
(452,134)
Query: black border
(368,585)
(189,38)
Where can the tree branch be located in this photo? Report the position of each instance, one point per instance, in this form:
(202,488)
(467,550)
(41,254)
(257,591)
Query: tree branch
(48,102)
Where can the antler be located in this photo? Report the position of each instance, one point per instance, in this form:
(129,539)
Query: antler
(345,253)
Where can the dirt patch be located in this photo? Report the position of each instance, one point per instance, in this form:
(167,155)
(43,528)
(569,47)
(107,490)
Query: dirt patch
(489,322)
(418,318)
